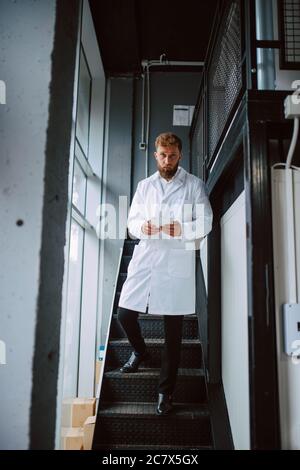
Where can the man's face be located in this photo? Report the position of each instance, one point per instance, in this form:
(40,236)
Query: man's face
(167,159)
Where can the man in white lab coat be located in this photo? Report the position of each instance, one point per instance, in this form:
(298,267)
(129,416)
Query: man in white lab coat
(170,214)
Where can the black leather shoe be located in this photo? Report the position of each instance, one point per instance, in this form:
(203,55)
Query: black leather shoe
(133,362)
(164,405)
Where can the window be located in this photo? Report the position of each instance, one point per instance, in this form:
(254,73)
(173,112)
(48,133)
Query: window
(73,310)
(79,188)
(83,107)
(81,292)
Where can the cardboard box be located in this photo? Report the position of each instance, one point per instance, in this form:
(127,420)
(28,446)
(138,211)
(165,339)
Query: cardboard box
(72,438)
(98,367)
(88,432)
(76,410)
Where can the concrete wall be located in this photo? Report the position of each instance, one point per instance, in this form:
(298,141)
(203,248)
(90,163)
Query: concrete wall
(35,126)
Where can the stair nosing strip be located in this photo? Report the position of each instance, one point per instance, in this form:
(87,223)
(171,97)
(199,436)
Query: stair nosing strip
(124,341)
(150,316)
(154,372)
(197,414)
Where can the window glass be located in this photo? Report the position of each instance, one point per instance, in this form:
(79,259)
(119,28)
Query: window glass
(73,311)
(83,109)
(79,188)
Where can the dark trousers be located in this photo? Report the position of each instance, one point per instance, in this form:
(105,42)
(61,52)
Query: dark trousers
(172,345)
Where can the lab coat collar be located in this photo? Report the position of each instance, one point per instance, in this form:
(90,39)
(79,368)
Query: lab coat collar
(176,183)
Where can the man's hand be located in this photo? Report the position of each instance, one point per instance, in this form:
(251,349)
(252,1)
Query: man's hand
(150,229)
(173,229)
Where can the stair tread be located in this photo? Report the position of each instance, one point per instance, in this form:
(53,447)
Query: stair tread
(153,447)
(148,410)
(144,373)
(124,341)
(151,316)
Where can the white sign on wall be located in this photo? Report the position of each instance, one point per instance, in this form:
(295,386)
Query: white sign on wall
(2,353)
(182,115)
(2,92)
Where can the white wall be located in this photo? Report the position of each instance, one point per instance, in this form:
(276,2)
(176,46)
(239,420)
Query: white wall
(203,256)
(27,31)
(234,320)
(288,373)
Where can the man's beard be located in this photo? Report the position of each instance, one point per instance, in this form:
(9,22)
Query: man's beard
(167,173)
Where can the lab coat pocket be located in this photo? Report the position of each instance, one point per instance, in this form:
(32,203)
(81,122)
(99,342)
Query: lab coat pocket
(136,258)
(180,263)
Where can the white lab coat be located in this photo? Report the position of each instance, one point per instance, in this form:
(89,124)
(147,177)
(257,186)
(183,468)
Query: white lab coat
(161,273)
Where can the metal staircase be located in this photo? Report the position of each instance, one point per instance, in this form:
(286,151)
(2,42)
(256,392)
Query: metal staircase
(126,417)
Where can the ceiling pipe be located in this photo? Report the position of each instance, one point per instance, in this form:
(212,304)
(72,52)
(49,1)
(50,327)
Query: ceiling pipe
(146,64)
(175,63)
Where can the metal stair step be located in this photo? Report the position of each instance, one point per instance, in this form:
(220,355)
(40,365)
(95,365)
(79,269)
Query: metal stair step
(151,447)
(142,386)
(138,424)
(152,326)
(120,350)
(147,410)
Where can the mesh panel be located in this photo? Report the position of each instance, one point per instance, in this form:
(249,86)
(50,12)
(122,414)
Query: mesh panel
(224,74)
(291,20)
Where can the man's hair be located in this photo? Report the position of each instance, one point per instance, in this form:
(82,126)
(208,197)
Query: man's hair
(166,139)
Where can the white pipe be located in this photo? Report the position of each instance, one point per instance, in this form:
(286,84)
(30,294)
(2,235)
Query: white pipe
(290,221)
(174,63)
(183,63)
(266,74)
(143,111)
(148,122)
(293,143)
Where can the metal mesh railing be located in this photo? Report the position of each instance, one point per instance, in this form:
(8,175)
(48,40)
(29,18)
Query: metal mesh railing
(224,74)
(221,86)
(290,28)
